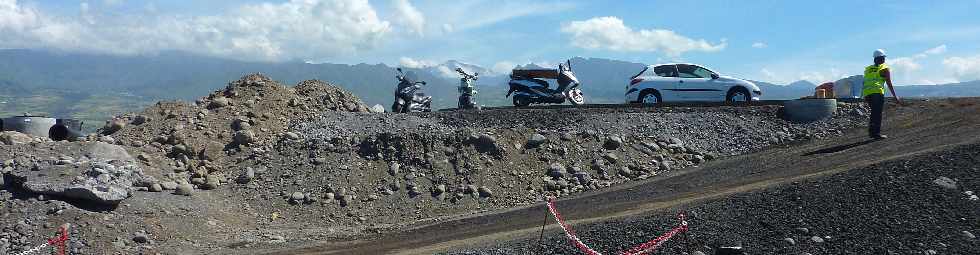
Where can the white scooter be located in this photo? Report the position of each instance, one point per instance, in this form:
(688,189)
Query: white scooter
(466,89)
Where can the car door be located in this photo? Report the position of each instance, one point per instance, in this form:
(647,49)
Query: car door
(666,82)
(692,85)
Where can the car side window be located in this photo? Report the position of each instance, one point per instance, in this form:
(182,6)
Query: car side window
(665,71)
(687,71)
(702,73)
(690,71)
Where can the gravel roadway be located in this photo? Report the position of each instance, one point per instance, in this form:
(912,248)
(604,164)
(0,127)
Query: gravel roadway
(758,199)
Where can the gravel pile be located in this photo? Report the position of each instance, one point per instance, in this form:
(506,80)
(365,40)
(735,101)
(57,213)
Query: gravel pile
(200,142)
(916,205)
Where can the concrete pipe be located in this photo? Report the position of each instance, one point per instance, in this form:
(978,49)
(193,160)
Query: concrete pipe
(808,110)
(31,125)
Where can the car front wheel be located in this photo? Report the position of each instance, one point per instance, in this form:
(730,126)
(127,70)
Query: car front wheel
(739,96)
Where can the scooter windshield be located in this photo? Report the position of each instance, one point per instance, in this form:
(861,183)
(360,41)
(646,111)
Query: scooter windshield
(411,77)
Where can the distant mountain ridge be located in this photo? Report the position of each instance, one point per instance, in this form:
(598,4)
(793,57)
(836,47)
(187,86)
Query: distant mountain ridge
(98,85)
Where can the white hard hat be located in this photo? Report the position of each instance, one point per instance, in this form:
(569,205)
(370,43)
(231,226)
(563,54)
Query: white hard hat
(879,53)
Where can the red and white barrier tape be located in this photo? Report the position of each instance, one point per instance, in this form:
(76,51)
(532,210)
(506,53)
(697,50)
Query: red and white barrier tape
(60,241)
(644,248)
(569,232)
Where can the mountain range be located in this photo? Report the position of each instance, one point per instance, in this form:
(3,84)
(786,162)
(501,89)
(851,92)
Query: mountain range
(95,87)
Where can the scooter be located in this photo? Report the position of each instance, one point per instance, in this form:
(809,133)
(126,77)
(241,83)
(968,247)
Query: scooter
(466,89)
(529,86)
(409,96)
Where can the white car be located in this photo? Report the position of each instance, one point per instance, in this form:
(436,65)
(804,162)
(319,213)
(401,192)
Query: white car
(688,82)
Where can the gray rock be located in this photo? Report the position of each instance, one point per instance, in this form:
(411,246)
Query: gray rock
(247,176)
(185,189)
(439,189)
(613,142)
(484,191)
(377,108)
(297,196)
(968,235)
(394,168)
(139,120)
(652,146)
(625,172)
(486,142)
(945,182)
(556,170)
(11,138)
(675,141)
(141,237)
(156,187)
(611,157)
(107,178)
(816,239)
(536,140)
(697,253)
(292,136)
(244,137)
(169,185)
(113,126)
(802,230)
(219,102)
(240,124)
(583,178)
(789,241)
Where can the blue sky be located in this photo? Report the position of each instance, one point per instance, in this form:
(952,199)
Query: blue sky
(927,42)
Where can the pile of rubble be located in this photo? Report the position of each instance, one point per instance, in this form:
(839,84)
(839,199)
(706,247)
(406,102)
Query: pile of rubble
(199,142)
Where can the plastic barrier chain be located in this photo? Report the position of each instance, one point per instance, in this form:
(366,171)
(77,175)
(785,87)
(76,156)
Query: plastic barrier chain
(652,245)
(568,229)
(644,248)
(60,241)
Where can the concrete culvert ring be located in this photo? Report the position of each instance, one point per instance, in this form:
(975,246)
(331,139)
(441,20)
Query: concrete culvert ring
(59,133)
(808,110)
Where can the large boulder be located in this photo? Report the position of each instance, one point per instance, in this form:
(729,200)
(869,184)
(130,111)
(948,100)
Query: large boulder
(12,137)
(99,173)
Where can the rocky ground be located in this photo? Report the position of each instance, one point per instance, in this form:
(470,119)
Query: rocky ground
(259,165)
(925,204)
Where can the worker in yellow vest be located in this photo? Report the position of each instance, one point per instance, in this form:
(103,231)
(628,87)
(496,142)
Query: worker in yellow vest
(875,78)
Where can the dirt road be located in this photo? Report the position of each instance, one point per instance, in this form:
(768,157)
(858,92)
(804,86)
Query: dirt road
(914,129)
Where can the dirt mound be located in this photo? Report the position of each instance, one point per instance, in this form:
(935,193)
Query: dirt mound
(211,134)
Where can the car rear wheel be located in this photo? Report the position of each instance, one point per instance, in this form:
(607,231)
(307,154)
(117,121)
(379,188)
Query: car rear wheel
(650,97)
(739,96)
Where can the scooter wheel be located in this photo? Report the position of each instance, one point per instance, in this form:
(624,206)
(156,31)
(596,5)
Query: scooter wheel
(521,101)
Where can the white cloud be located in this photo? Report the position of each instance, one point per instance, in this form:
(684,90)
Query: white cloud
(905,64)
(768,75)
(300,29)
(409,16)
(964,68)
(937,50)
(611,34)
(447,28)
(760,45)
(414,63)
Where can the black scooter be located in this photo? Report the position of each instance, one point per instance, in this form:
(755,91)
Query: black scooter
(528,86)
(409,96)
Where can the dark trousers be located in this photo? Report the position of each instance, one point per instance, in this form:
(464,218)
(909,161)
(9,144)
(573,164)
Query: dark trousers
(877,104)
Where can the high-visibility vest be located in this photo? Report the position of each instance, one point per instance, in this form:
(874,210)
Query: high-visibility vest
(874,83)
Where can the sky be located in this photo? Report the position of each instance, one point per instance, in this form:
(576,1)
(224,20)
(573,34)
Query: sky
(927,42)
